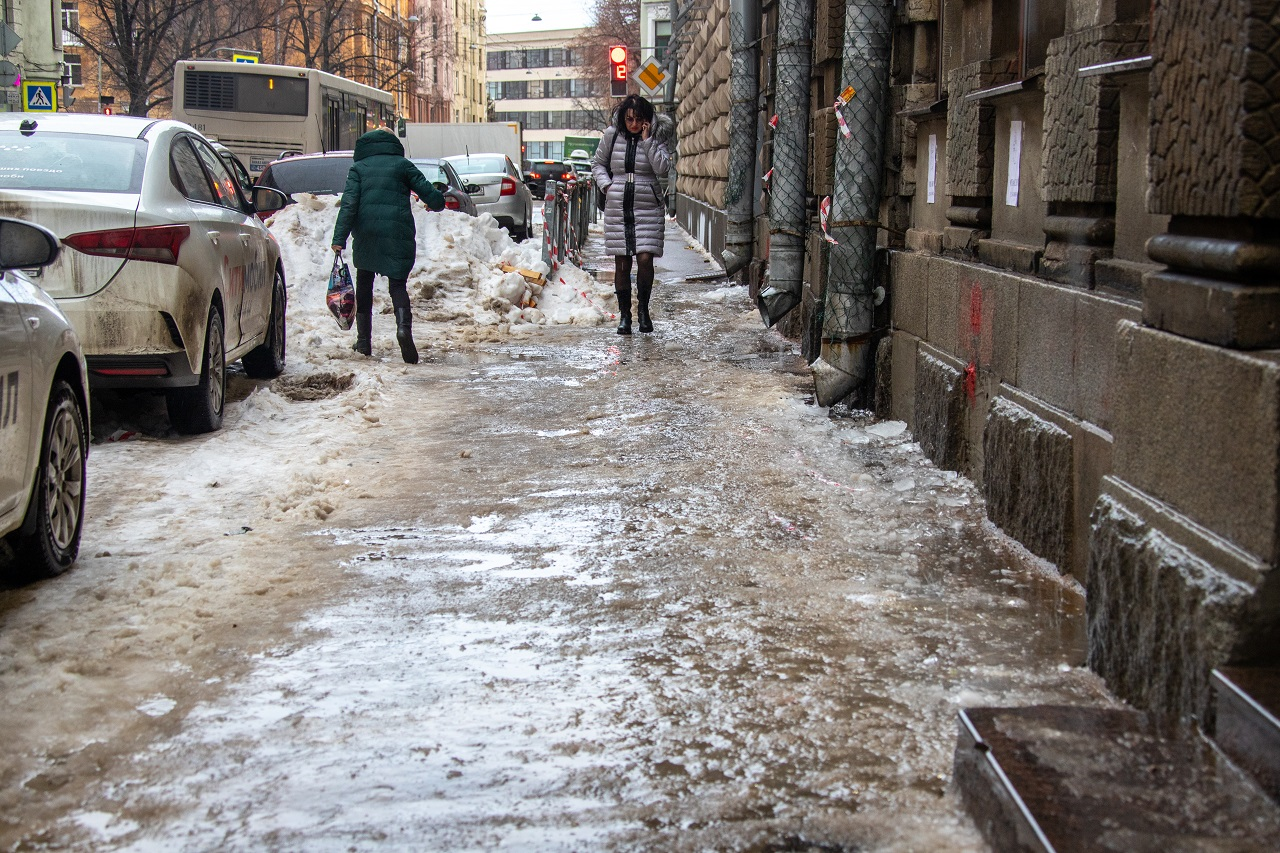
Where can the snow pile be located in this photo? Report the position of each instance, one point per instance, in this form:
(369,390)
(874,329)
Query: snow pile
(455,279)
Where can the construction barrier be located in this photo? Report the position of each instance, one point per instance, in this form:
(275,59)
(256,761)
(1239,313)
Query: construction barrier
(568,211)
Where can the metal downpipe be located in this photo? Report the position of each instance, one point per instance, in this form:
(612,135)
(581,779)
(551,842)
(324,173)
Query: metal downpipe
(744,119)
(844,365)
(788,215)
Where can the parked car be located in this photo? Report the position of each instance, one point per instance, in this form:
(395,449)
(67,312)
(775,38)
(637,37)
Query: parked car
(318,174)
(166,273)
(501,190)
(44,410)
(446,179)
(541,171)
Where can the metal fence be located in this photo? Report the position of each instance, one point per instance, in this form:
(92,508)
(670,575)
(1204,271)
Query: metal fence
(568,211)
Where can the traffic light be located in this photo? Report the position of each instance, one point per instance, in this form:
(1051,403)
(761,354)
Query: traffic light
(618,71)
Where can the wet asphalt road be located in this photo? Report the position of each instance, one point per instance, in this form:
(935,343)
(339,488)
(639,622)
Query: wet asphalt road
(575,592)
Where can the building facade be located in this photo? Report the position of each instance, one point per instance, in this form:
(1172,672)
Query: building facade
(536,79)
(1069,293)
(31,57)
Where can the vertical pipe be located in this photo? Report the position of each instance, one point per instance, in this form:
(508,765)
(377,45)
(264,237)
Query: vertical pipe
(788,214)
(844,364)
(744,89)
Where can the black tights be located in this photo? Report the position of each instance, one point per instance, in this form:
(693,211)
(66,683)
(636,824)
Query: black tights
(364,292)
(644,273)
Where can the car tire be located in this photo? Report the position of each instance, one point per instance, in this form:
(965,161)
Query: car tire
(198,409)
(49,539)
(267,360)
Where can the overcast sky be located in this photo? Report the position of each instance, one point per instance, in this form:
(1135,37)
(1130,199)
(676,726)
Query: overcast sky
(515,16)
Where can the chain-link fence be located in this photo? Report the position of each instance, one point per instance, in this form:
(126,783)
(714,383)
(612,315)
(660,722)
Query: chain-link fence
(788,215)
(853,214)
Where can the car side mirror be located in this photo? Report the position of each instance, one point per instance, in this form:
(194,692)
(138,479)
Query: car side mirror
(440,186)
(268,199)
(24,245)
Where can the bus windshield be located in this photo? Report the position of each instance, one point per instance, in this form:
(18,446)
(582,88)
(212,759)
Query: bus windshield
(72,162)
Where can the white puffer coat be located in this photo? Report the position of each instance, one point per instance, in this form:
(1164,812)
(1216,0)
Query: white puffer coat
(635,212)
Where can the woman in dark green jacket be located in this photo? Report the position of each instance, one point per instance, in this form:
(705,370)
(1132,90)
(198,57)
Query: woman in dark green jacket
(375,208)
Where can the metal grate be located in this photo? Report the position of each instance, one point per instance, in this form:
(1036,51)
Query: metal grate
(210,90)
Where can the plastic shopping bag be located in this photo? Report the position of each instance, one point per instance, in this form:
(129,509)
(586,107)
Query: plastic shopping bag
(341,295)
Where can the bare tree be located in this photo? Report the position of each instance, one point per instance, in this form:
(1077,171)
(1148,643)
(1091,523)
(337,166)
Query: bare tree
(334,36)
(139,41)
(613,22)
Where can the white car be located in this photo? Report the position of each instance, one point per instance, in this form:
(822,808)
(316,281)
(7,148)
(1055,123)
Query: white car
(166,272)
(500,190)
(44,411)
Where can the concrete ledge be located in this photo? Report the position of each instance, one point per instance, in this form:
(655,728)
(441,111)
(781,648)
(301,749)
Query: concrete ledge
(1248,727)
(919,240)
(1240,316)
(1059,777)
(1123,278)
(1009,256)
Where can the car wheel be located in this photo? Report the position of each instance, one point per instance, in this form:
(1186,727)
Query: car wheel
(49,539)
(267,361)
(199,408)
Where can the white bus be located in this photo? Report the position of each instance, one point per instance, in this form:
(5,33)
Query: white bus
(262,111)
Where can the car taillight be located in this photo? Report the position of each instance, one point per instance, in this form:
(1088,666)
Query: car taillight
(508,187)
(535,174)
(451,203)
(159,243)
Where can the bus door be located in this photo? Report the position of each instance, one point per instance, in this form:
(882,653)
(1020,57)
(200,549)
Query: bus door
(332,140)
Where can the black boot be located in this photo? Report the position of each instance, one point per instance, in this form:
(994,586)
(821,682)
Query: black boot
(364,327)
(642,309)
(624,310)
(404,334)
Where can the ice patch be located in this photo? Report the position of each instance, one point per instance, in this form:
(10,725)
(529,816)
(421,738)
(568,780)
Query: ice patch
(157,706)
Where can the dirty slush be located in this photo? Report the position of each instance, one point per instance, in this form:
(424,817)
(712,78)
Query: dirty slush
(548,590)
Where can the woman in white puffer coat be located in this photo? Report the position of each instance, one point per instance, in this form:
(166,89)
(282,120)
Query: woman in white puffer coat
(630,159)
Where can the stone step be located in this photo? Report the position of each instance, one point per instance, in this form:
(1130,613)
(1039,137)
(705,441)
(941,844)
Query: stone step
(1248,726)
(1077,778)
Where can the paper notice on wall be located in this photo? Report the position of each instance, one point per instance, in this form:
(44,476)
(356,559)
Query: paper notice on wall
(931,190)
(1015,164)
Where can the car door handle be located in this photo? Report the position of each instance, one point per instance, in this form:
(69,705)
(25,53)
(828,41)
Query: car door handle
(33,322)
(213,237)
(244,239)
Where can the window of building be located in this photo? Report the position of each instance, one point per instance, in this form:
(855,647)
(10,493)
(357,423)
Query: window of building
(1042,21)
(70,14)
(71,71)
(661,38)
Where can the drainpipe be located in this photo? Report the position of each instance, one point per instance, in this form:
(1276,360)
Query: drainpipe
(744,92)
(788,215)
(844,365)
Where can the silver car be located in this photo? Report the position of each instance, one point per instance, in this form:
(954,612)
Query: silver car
(44,411)
(166,273)
(500,190)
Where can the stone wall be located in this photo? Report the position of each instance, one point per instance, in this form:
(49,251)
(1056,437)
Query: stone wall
(971,135)
(1215,108)
(1082,114)
(702,116)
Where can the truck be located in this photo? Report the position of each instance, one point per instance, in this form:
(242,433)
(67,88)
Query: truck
(445,139)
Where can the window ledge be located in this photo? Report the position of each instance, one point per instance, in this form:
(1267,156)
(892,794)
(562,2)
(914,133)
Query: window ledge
(934,110)
(1034,83)
(1124,66)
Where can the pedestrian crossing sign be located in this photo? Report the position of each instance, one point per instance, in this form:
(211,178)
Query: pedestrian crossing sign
(40,97)
(650,75)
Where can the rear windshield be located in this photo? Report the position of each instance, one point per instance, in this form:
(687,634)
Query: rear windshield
(554,170)
(479,165)
(76,162)
(319,176)
(431,171)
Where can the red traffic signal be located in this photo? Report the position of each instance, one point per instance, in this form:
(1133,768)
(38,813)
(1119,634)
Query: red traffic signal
(618,70)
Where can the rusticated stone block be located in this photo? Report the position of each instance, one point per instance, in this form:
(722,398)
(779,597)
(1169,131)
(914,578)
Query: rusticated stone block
(940,412)
(971,134)
(1198,427)
(1242,316)
(1215,108)
(922,10)
(1160,618)
(1027,480)
(1082,114)
(910,276)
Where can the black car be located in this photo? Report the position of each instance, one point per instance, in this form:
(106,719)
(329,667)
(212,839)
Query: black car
(326,174)
(541,171)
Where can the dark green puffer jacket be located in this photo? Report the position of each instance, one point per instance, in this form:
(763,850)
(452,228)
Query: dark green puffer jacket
(375,205)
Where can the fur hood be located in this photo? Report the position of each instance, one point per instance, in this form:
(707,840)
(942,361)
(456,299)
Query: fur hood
(664,130)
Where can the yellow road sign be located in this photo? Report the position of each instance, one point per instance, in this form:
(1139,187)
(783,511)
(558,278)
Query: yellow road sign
(650,75)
